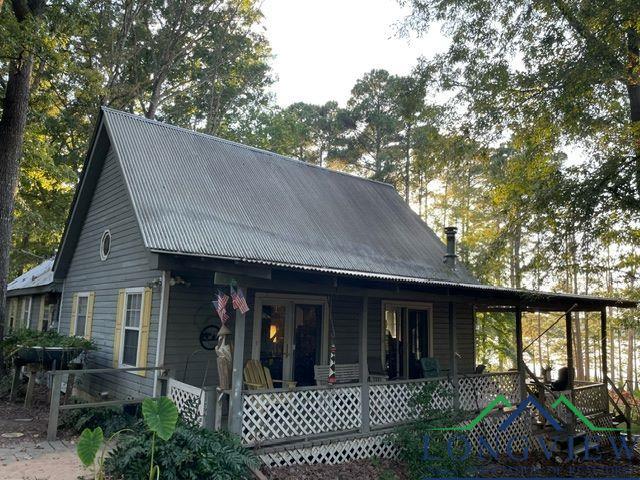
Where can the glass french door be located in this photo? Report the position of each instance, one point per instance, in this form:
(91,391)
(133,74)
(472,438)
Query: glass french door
(406,339)
(290,336)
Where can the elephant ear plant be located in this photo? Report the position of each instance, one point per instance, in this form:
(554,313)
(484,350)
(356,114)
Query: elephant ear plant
(160,417)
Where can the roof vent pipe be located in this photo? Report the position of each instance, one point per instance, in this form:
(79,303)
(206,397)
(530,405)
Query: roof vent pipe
(450,257)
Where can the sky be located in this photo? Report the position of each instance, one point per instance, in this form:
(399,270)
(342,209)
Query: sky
(321,48)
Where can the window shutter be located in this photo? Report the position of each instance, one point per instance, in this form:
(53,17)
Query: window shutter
(74,315)
(41,313)
(145,322)
(89,322)
(117,335)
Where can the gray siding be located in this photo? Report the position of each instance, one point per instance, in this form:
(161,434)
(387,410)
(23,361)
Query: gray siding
(126,267)
(190,310)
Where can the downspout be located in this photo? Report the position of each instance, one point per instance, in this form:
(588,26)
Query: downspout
(162,328)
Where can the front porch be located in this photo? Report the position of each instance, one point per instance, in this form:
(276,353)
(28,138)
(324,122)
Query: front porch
(384,327)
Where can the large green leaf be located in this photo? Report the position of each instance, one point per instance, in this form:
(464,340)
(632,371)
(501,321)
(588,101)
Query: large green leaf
(160,415)
(88,445)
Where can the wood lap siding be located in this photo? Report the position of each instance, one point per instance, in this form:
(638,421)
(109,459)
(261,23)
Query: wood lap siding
(190,310)
(126,267)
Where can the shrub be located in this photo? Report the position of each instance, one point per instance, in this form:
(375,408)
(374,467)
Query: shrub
(191,453)
(410,438)
(33,338)
(110,420)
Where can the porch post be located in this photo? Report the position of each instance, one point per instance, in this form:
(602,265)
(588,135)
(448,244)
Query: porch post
(603,340)
(453,359)
(569,333)
(522,386)
(364,367)
(235,405)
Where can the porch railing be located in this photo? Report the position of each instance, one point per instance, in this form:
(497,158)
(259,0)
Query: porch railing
(272,415)
(591,399)
(278,416)
(196,403)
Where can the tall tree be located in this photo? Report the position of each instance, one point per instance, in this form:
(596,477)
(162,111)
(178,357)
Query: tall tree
(569,66)
(22,19)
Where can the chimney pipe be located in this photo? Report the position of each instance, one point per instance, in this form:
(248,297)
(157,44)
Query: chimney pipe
(450,257)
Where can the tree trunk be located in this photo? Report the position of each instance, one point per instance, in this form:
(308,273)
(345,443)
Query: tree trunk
(407,165)
(12,126)
(587,362)
(540,360)
(619,335)
(633,92)
(630,355)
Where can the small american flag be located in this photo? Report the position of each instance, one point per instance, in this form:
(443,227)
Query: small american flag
(238,300)
(221,306)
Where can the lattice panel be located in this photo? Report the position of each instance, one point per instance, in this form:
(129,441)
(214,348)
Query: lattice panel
(187,398)
(390,403)
(332,453)
(477,391)
(516,437)
(591,399)
(269,416)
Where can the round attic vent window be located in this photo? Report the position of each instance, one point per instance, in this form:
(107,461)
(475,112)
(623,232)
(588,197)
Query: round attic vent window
(105,244)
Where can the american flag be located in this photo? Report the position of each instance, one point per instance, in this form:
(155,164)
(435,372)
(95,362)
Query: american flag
(221,306)
(238,300)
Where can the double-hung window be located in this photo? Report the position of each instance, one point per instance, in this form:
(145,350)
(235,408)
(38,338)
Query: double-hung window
(132,316)
(81,314)
(26,311)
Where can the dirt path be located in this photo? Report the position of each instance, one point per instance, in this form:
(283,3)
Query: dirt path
(40,461)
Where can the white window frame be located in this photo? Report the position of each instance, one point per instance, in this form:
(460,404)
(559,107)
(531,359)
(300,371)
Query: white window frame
(26,323)
(124,328)
(75,320)
(289,300)
(405,327)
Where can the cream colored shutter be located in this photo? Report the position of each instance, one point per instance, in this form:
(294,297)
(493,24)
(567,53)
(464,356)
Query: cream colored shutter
(41,313)
(117,334)
(145,322)
(89,321)
(74,315)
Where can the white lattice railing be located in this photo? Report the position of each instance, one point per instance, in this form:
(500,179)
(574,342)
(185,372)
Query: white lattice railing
(272,415)
(477,391)
(591,399)
(192,401)
(390,402)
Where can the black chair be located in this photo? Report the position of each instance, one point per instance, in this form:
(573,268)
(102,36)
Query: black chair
(563,382)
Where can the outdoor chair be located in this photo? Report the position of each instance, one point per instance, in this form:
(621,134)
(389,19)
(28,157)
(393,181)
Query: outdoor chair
(563,382)
(345,373)
(258,377)
(430,367)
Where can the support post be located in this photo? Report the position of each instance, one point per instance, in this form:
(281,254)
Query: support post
(364,367)
(235,406)
(522,386)
(569,334)
(453,355)
(54,406)
(15,383)
(603,340)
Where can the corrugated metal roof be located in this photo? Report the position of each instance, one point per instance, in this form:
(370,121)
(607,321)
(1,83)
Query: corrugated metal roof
(200,195)
(39,276)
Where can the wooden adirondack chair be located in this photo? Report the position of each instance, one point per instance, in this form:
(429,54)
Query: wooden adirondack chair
(257,377)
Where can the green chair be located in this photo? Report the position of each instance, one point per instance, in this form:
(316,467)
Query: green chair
(430,367)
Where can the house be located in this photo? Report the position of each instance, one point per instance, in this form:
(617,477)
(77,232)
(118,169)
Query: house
(33,299)
(332,265)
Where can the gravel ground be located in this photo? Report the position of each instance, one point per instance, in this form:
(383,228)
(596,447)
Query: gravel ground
(358,470)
